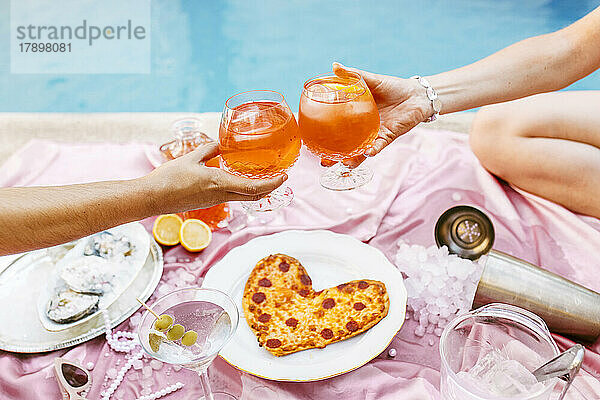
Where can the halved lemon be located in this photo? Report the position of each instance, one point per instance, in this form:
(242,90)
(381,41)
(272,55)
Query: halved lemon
(166,229)
(195,235)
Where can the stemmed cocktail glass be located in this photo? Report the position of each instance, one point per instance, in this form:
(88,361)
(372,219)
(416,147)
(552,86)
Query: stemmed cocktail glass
(259,139)
(338,120)
(208,315)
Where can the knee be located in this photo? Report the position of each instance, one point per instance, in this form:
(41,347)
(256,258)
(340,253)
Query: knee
(490,136)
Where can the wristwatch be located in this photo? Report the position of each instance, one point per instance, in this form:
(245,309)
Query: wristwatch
(436,103)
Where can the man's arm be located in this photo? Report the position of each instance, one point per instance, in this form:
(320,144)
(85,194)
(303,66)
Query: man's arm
(36,217)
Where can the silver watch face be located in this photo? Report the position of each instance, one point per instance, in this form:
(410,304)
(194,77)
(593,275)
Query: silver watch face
(437,105)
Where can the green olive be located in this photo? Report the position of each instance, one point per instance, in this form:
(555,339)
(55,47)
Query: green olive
(154,341)
(176,332)
(189,338)
(163,323)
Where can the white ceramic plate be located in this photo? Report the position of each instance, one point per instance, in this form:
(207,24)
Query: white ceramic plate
(330,259)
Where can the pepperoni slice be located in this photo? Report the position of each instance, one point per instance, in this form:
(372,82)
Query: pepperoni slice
(264,317)
(293,322)
(352,326)
(328,303)
(304,292)
(305,279)
(264,282)
(359,306)
(258,297)
(284,267)
(363,285)
(273,343)
(326,333)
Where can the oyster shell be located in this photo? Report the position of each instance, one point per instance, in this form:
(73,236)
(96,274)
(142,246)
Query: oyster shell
(109,246)
(68,306)
(89,275)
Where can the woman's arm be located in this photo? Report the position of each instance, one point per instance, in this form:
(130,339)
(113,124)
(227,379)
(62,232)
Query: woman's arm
(36,217)
(535,65)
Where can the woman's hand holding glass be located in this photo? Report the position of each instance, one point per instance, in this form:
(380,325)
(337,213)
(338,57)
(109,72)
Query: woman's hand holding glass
(402,105)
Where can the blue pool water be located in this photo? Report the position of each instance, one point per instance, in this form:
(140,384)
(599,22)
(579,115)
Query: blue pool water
(205,51)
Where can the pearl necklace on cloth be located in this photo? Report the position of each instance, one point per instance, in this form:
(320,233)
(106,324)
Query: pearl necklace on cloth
(126,346)
(122,346)
(162,392)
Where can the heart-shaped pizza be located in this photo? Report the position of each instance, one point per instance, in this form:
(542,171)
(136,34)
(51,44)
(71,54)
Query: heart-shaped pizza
(287,315)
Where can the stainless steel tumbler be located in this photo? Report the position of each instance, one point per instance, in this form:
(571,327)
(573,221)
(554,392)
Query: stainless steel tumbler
(566,307)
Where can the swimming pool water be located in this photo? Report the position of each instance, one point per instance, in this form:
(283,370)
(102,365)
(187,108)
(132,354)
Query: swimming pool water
(204,51)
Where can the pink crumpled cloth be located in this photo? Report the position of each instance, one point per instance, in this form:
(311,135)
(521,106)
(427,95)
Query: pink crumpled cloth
(416,179)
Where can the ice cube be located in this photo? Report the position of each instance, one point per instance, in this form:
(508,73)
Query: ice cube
(485,364)
(439,282)
(321,92)
(147,371)
(422,254)
(156,365)
(497,375)
(512,378)
(442,302)
(426,279)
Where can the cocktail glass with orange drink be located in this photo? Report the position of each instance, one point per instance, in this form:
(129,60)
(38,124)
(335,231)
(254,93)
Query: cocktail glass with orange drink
(338,120)
(259,139)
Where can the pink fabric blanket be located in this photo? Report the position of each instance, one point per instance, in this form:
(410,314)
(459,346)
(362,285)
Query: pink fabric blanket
(416,179)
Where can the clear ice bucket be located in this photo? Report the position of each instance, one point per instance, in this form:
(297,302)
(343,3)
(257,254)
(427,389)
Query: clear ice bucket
(479,339)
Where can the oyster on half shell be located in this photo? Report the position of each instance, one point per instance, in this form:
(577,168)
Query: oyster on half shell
(88,275)
(109,246)
(68,306)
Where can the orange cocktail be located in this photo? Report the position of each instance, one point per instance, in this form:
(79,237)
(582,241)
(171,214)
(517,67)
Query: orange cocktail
(338,120)
(258,138)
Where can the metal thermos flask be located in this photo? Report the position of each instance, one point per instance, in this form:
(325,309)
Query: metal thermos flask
(567,308)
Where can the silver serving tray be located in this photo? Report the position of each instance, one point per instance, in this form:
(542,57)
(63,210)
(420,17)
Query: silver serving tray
(20,283)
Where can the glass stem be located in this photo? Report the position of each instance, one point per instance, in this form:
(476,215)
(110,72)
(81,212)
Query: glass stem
(208,395)
(343,170)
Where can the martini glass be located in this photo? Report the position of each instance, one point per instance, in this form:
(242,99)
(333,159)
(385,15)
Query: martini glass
(210,313)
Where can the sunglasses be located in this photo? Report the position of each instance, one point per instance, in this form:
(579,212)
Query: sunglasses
(72,378)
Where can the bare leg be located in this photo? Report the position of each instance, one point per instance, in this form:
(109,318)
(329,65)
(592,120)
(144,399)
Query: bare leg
(547,144)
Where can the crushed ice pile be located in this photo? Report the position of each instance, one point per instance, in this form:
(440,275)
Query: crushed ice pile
(440,285)
(497,375)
